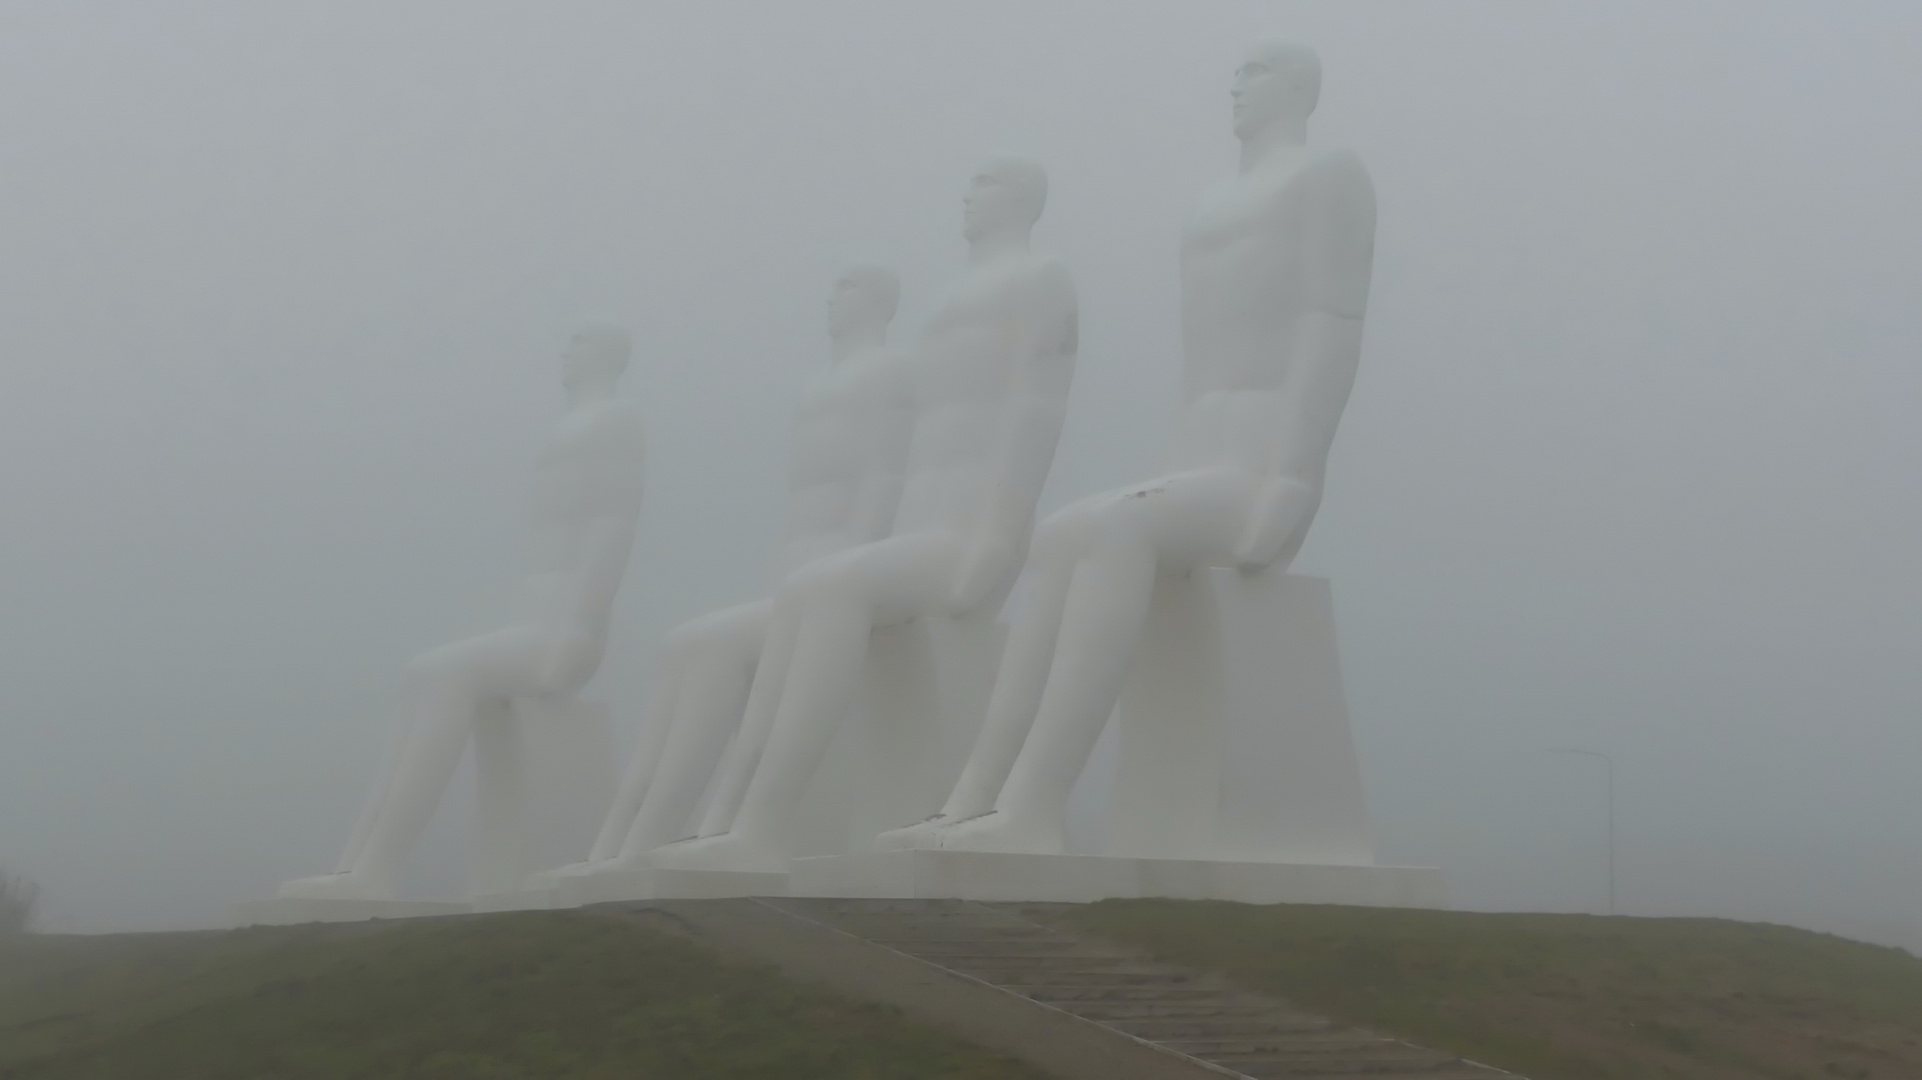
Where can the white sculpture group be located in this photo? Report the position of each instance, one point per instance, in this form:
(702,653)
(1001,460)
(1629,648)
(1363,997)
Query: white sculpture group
(914,480)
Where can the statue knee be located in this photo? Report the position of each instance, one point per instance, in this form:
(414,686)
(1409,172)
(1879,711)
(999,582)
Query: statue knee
(686,640)
(830,578)
(1068,533)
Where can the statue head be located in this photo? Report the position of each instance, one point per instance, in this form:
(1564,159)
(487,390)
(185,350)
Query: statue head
(1006,195)
(1277,84)
(864,296)
(595,358)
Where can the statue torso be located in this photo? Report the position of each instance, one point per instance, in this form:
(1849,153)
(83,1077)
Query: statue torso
(967,373)
(846,430)
(590,469)
(1254,261)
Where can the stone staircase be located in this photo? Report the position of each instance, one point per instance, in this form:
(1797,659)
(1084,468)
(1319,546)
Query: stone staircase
(1197,1017)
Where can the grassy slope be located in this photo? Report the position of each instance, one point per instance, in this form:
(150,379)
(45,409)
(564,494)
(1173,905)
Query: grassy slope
(1563,997)
(549,995)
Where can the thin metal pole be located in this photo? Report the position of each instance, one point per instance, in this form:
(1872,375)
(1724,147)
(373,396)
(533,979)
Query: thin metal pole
(1609,764)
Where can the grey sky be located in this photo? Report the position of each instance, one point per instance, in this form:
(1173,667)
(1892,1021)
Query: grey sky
(1632,463)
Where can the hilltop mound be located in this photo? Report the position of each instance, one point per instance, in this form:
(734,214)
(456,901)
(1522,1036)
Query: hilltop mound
(1560,997)
(553,995)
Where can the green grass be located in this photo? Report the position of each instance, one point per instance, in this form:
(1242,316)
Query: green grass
(556,996)
(1562,997)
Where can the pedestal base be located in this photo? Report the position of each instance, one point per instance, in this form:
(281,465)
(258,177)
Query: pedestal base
(651,883)
(715,884)
(284,911)
(975,875)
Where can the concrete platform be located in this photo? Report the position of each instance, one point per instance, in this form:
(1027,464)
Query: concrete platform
(715,884)
(650,883)
(282,911)
(976,875)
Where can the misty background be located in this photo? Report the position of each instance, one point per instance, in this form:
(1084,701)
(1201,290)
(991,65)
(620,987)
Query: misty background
(1631,466)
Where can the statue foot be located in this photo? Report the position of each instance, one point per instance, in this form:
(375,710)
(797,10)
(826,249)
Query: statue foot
(724,851)
(347,886)
(996,831)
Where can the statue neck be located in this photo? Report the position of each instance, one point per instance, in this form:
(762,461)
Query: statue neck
(995,245)
(1278,137)
(855,340)
(588,395)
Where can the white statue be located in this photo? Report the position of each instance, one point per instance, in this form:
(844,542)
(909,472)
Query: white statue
(991,381)
(586,500)
(1274,275)
(844,481)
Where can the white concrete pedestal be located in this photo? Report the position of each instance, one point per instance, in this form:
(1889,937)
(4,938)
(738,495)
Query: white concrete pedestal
(1235,775)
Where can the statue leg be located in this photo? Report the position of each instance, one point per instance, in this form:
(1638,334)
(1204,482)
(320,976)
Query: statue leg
(741,757)
(839,600)
(1019,682)
(720,666)
(443,693)
(656,724)
(1105,610)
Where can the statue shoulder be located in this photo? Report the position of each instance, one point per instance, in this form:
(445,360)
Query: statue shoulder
(616,423)
(1337,174)
(887,371)
(1048,279)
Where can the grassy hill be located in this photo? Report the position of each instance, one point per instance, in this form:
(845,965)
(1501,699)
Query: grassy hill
(558,996)
(1562,997)
(583,995)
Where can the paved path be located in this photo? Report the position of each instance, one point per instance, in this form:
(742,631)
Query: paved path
(1076,1007)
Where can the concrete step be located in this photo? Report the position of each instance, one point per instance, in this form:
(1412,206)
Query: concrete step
(1041,961)
(1020,977)
(1004,946)
(1344,1064)
(1062,994)
(1196,1016)
(1287,1043)
(1162,1026)
(1186,1003)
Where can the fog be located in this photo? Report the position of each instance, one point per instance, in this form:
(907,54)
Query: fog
(1631,465)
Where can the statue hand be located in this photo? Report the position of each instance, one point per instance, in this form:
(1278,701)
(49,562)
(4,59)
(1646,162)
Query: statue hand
(1277,514)
(983,566)
(571,661)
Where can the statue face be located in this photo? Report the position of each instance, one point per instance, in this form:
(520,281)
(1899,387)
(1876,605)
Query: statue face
(589,356)
(851,304)
(1264,91)
(990,204)
(577,361)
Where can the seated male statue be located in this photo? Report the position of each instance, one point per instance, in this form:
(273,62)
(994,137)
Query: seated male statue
(844,479)
(991,380)
(586,501)
(1274,276)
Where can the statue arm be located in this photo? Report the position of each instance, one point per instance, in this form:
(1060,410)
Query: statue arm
(1322,355)
(606,543)
(885,471)
(1045,345)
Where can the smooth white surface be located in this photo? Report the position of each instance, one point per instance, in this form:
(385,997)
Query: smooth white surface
(845,476)
(923,686)
(1275,267)
(1079,879)
(1232,732)
(585,506)
(991,378)
(544,771)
